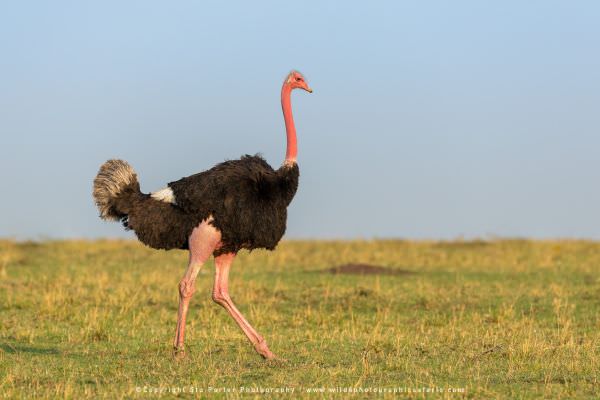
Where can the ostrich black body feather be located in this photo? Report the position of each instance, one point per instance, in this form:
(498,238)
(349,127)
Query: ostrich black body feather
(246,199)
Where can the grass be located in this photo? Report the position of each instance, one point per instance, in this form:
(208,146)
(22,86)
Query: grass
(499,319)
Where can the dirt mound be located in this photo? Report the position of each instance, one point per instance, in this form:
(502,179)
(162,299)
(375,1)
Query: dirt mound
(366,269)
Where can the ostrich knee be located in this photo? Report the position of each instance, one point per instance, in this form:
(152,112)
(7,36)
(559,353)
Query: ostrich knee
(187,288)
(220,298)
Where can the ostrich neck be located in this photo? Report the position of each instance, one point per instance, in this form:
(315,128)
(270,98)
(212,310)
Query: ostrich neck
(290,130)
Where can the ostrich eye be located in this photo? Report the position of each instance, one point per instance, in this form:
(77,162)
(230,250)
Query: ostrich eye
(298,79)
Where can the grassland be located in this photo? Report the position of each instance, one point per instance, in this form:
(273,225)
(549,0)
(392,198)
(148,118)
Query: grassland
(501,319)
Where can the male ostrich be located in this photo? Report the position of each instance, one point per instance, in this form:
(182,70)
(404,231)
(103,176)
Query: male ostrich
(237,204)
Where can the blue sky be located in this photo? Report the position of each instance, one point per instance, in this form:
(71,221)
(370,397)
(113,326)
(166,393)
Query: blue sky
(430,119)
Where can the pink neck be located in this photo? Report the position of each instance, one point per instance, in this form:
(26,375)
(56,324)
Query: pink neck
(290,130)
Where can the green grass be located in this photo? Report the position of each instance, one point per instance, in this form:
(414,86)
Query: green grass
(501,319)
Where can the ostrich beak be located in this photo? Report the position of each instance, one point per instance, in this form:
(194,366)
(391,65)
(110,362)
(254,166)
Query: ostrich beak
(309,90)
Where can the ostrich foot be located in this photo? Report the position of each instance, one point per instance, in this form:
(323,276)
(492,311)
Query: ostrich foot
(262,349)
(178,353)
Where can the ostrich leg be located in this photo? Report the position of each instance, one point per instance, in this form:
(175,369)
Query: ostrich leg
(202,243)
(221,296)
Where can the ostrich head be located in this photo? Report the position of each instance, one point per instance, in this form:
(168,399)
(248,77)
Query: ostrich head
(296,81)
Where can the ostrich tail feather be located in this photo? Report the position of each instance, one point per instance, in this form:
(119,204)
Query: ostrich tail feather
(115,179)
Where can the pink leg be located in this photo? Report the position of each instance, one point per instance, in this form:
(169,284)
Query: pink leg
(221,296)
(202,243)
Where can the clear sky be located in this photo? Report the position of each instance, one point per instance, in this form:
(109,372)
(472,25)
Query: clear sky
(430,119)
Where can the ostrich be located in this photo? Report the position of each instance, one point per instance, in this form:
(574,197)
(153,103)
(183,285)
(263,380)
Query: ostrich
(237,204)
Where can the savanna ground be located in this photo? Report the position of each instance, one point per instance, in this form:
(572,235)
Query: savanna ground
(499,319)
